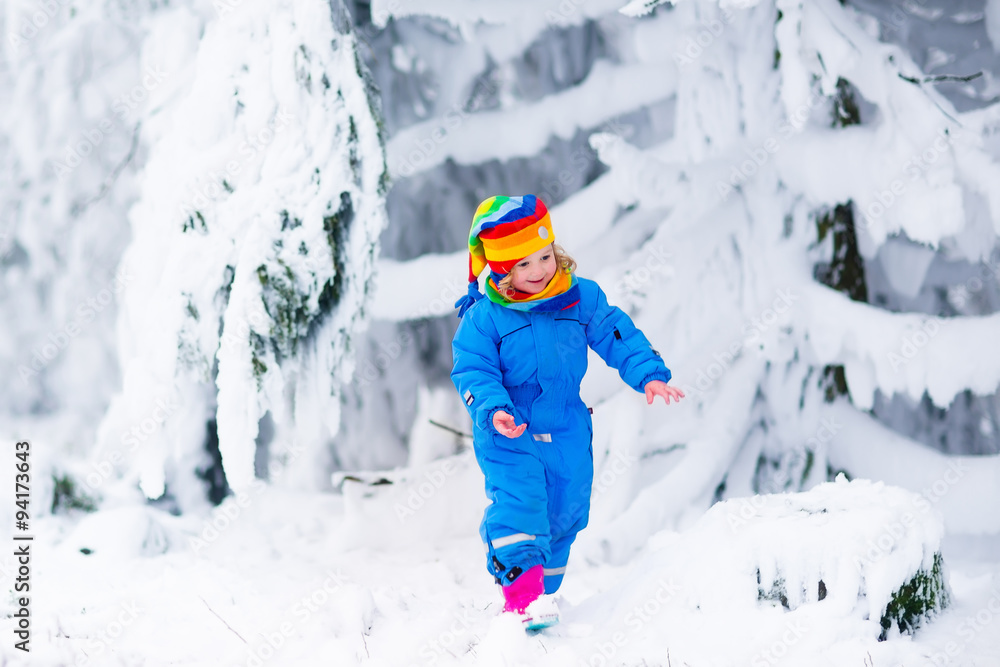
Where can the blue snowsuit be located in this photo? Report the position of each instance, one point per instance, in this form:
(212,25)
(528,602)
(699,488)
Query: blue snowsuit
(531,365)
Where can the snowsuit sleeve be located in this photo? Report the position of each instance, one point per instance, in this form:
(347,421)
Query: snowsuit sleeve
(476,372)
(612,334)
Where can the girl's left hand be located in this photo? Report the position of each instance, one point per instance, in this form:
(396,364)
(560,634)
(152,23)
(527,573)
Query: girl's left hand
(656,388)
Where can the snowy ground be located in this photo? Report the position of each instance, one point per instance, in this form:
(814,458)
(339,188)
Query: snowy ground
(393,575)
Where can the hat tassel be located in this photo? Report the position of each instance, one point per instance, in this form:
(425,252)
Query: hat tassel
(474,295)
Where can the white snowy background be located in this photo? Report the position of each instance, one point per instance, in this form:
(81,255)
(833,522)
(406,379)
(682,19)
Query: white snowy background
(231,234)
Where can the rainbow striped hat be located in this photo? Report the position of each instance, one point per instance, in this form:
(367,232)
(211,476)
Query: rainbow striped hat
(504,231)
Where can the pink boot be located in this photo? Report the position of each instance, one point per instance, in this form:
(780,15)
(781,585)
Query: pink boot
(524,590)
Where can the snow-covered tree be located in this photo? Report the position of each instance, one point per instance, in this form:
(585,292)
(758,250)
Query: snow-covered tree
(253,245)
(215,170)
(796,227)
(791,211)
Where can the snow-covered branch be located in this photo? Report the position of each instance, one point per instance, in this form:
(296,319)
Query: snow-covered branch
(900,352)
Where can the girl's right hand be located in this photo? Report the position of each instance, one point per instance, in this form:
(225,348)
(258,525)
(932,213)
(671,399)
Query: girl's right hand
(505,425)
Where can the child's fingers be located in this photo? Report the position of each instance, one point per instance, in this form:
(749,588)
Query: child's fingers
(507,426)
(513,432)
(504,419)
(667,393)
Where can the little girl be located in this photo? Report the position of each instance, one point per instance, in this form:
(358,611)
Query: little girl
(519,358)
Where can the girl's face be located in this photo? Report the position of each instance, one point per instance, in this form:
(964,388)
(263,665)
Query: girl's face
(534,272)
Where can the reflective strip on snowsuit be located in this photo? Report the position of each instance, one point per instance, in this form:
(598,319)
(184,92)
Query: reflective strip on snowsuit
(531,365)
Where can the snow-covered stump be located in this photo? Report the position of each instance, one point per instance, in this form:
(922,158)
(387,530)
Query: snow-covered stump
(864,549)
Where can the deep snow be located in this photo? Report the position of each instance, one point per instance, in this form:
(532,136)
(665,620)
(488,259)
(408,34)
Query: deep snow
(394,574)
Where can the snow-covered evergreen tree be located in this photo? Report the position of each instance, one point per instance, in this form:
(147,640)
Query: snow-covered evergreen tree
(236,150)
(254,242)
(790,213)
(832,173)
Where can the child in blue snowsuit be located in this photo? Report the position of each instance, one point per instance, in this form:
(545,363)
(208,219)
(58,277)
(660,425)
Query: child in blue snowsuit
(519,358)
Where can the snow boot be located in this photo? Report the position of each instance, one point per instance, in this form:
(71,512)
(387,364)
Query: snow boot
(525,597)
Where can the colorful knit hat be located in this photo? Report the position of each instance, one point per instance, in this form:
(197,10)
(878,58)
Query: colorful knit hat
(504,231)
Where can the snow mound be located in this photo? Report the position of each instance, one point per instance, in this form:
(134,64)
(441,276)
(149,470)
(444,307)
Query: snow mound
(856,550)
(394,509)
(123,532)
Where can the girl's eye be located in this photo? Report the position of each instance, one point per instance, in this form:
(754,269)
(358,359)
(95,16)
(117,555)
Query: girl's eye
(546,258)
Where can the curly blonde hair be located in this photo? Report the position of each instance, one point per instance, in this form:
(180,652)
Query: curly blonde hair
(564,263)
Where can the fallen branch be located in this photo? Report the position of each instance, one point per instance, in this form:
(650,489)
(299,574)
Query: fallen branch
(450,429)
(223,621)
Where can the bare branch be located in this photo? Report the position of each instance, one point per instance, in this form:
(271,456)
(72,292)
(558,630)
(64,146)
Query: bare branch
(224,621)
(940,77)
